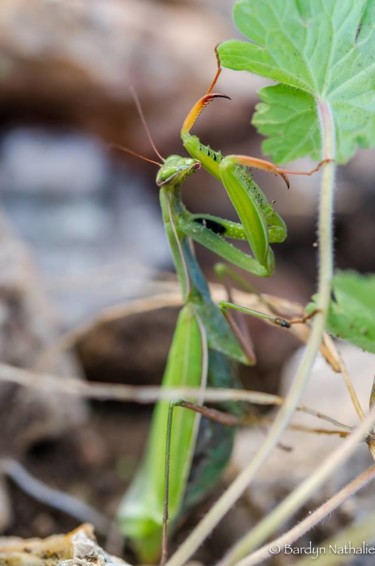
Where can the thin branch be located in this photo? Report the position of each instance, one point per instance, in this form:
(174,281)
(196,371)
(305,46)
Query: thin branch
(53,497)
(354,536)
(143,394)
(288,538)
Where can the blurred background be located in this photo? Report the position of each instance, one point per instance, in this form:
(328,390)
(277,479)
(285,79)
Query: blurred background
(80,222)
(90,213)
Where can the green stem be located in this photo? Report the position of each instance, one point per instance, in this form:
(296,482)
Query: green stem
(325,231)
(228,499)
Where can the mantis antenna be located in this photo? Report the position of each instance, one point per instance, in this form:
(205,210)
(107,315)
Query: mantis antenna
(148,133)
(131,152)
(144,123)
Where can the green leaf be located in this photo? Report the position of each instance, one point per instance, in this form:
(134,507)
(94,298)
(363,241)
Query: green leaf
(352,309)
(320,51)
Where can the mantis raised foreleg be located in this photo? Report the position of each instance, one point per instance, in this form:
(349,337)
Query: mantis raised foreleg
(260,224)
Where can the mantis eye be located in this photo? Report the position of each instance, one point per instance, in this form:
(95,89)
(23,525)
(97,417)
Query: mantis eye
(166,175)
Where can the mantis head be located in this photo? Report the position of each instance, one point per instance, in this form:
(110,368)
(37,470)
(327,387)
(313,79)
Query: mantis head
(175,169)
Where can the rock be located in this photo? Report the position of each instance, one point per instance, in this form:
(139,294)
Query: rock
(27,327)
(77,548)
(93,227)
(75,61)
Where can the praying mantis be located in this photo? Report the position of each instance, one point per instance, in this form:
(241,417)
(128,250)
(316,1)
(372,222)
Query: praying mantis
(184,466)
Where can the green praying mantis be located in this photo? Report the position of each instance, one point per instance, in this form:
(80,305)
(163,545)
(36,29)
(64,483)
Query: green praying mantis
(181,467)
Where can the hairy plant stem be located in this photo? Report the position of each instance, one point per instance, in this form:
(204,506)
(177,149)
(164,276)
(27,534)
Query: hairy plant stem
(235,490)
(353,536)
(314,481)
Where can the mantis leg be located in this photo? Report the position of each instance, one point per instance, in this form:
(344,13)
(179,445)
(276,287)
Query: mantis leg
(217,243)
(278,321)
(230,309)
(216,415)
(262,164)
(248,161)
(224,271)
(204,101)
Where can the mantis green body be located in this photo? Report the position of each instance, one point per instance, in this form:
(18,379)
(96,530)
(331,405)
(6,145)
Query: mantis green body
(204,345)
(201,354)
